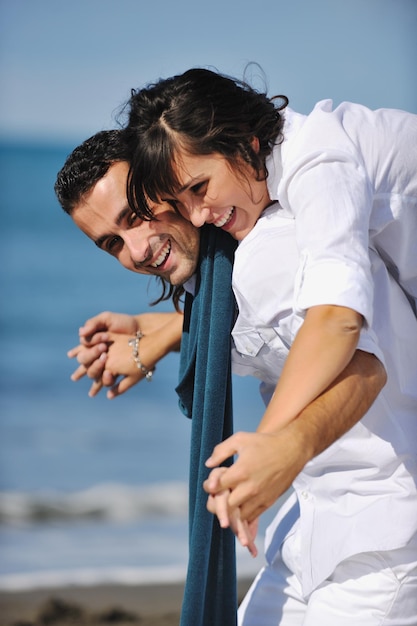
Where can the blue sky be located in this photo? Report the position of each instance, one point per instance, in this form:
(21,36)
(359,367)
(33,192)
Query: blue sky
(67,66)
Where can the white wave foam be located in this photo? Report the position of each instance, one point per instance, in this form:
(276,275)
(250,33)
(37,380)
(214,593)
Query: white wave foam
(129,576)
(55,579)
(112,502)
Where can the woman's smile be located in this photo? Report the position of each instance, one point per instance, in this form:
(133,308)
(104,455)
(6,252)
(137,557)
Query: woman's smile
(212,190)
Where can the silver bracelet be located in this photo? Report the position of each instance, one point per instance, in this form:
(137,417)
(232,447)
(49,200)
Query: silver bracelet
(134,344)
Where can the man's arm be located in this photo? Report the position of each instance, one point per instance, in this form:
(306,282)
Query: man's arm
(269,461)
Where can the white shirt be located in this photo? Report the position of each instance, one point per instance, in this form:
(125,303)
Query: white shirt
(360,494)
(349,177)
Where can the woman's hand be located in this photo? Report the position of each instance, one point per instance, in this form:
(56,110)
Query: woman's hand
(104,354)
(245,532)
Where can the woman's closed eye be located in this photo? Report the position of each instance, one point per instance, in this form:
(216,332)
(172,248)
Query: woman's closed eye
(172,203)
(199,188)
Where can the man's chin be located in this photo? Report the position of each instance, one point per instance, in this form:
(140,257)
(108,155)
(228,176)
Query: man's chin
(174,281)
(180,275)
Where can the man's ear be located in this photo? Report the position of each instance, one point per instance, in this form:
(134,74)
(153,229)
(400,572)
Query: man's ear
(255,144)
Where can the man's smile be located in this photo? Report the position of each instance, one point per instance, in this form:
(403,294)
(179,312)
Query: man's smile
(162,256)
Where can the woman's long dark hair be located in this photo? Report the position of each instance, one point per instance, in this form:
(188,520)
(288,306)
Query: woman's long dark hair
(202,112)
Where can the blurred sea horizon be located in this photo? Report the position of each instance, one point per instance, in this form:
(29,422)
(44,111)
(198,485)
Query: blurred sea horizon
(90,489)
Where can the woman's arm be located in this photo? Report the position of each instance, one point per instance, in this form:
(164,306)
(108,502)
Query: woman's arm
(322,348)
(162,335)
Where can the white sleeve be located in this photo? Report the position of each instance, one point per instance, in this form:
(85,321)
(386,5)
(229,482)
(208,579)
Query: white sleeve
(331,199)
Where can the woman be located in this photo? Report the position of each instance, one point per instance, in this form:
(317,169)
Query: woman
(222,153)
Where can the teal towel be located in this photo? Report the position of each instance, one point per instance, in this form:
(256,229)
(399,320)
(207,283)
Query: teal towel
(205,394)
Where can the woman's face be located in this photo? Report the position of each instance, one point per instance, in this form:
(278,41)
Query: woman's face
(214,192)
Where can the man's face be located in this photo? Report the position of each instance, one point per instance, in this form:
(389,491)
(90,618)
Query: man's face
(166,247)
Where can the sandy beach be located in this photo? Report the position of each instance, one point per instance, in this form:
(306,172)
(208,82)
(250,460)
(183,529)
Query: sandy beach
(147,605)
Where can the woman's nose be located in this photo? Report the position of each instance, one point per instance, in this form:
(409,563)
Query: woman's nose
(199,216)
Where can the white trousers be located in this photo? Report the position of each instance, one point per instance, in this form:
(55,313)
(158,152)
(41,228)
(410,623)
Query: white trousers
(368,589)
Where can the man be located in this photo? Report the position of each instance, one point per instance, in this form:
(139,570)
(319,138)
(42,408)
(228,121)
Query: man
(91,188)
(99,207)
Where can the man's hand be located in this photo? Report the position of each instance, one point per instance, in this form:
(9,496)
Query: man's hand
(96,328)
(264,469)
(268,462)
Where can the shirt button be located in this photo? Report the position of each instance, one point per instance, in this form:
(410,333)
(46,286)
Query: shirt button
(304,495)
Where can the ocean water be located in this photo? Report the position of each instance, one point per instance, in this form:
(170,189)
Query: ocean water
(91,490)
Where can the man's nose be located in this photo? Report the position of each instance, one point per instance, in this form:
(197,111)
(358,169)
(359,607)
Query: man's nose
(138,247)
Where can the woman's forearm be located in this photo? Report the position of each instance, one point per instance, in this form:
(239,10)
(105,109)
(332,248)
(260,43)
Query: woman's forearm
(323,347)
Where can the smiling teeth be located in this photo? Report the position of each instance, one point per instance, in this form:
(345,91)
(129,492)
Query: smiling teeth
(224,219)
(162,257)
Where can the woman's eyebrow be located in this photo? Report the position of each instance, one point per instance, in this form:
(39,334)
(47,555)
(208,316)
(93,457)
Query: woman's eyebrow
(190,182)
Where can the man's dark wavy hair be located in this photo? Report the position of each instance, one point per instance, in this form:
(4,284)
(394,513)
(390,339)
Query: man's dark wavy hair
(84,167)
(202,112)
